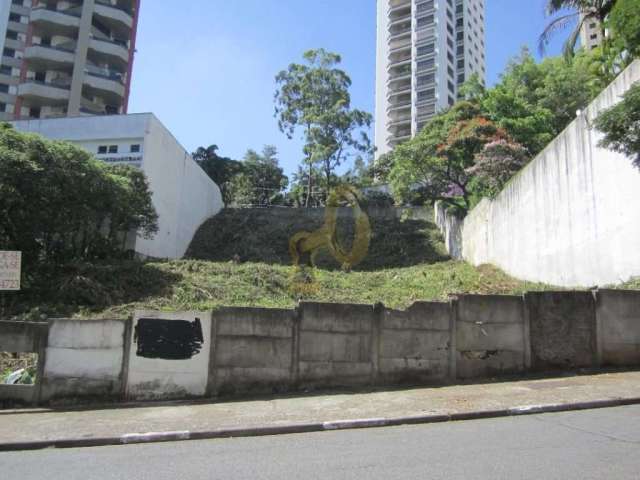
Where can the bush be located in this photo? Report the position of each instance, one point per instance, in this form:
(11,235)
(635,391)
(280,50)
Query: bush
(58,203)
(621,125)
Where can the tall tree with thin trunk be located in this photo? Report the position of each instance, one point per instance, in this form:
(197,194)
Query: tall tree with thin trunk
(315,96)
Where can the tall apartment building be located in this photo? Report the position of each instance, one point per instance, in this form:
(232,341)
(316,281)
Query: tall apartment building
(590,33)
(66,57)
(425,50)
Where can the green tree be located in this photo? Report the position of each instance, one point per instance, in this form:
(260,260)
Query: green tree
(576,13)
(220,169)
(58,203)
(534,102)
(314,96)
(459,155)
(262,181)
(621,125)
(495,165)
(624,22)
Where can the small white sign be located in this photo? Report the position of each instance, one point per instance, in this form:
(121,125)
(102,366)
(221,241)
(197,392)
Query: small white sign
(10,270)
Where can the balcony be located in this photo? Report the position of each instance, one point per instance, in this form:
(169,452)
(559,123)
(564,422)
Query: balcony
(109,87)
(398,5)
(399,120)
(109,51)
(50,58)
(400,90)
(48,20)
(37,94)
(117,19)
(399,63)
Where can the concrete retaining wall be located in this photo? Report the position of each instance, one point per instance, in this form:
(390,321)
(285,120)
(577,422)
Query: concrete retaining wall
(253,350)
(570,217)
(491,336)
(336,344)
(618,318)
(563,330)
(83,358)
(414,345)
(159,355)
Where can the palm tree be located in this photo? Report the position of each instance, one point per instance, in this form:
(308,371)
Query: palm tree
(582,11)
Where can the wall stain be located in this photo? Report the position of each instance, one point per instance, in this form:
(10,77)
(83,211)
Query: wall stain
(168,339)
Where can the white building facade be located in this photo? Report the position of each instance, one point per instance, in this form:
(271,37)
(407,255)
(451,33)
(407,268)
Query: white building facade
(183,194)
(426,49)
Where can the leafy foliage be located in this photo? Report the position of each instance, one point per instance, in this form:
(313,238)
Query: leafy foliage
(533,102)
(314,96)
(439,163)
(496,164)
(58,203)
(261,180)
(624,22)
(621,125)
(220,169)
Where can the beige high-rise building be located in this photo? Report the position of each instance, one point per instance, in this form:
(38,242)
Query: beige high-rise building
(426,49)
(590,33)
(66,57)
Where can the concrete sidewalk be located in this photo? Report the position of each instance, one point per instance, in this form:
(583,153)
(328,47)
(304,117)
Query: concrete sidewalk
(32,429)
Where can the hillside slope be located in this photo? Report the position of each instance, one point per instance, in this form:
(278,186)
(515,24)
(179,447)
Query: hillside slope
(399,237)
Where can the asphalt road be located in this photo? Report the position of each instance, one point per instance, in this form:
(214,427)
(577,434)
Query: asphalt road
(595,444)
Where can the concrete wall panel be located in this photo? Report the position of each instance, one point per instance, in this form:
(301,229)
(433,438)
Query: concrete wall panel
(163,378)
(563,329)
(490,335)
(335,346)
(84,358)
(253,350)
(415,344)
(618,317)
(21,337)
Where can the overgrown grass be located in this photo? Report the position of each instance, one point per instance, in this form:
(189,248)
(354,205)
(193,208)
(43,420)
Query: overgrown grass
(98,291)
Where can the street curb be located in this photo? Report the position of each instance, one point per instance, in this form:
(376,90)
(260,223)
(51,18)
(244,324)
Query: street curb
(177,436)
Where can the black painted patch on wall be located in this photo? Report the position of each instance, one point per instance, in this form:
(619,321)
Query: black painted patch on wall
(168,339)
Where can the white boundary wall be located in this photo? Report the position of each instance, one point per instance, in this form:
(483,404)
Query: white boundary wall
(570,218)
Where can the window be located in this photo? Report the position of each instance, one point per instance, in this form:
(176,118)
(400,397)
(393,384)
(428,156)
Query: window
(3,107)
(594,36)
(113,148)
(425,21)
(460,64)
(426,64)
(102,149)
(426,95)
(426,79)
(4,88)
(6,70)
(425,50)
(451,101)
(12,35)
(425,6)
(34,112)
(451,86)
(14,17)
(135,148)
(9,52)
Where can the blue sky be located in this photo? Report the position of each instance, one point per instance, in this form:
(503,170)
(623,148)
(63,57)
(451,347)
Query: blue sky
(207,69)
